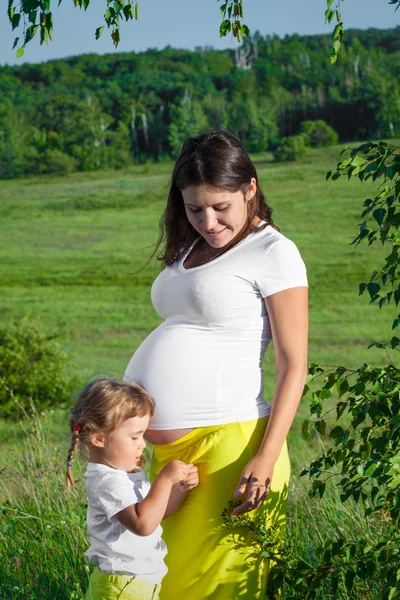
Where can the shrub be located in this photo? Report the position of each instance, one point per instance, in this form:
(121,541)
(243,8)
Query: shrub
(32,366)
(290,148)
(57,162)
(319,133)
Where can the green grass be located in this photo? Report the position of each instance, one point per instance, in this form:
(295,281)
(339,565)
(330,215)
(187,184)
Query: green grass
(71,251)
(71,248)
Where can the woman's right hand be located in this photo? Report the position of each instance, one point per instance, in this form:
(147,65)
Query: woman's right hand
(176,471)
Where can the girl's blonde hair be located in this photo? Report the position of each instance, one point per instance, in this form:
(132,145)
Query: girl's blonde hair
(102,406)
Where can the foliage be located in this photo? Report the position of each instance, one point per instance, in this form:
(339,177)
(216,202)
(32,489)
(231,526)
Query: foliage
(32,366)
(17,153)
(339,568)
(94,230)
(42,534)
(114,110)
(364,452)
(36,16)
(233,9)
(381,217)
(56,162)
(290,148)
(319,133)
(188,120)
(332,13)
(355,413)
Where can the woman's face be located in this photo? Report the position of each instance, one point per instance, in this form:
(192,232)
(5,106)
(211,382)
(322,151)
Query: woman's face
(217,215)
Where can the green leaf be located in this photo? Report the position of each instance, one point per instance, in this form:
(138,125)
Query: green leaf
(394,342)
(393,590)
(362,288)
(225,28)
(305,429)
(358,161)
(379,215)
(30,33)
(15,20)
(44,36)
(338,31)
(246,31)
(98,32)
(349,580)
(32,16)
(395,482)
(321,488)
(117,6)
(19,52)
(370,470)
(329,14)
(373,289)
(129,12)
(115,36)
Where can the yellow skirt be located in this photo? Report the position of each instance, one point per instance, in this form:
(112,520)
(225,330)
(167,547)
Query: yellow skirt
(205,560)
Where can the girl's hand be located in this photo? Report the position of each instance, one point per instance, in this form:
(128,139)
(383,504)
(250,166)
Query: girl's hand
(176,471)
(256,476)
(192,480)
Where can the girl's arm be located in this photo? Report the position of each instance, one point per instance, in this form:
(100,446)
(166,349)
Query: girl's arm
(288,316)
(143,518)
(180,491)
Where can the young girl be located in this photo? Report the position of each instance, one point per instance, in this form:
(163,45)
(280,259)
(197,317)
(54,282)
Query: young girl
(124,512)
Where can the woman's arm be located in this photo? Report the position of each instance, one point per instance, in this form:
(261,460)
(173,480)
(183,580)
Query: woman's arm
(143,518)
(288,314)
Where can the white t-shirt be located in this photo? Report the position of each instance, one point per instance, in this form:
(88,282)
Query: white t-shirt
(202,365)
(115,549)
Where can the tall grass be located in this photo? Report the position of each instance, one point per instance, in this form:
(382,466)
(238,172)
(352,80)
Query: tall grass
(69,253)
(42,532)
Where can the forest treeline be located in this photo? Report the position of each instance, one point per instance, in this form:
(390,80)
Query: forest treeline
(97,112)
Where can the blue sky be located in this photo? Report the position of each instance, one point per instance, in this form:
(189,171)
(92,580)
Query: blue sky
(187,24)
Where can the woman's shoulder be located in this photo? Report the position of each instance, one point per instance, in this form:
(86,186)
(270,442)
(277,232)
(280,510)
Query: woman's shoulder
(269,237)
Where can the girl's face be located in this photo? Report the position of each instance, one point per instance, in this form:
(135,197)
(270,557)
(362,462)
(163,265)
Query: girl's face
(217,215)
(124,447)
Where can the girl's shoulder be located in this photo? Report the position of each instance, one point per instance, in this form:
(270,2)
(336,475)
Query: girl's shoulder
(102,475)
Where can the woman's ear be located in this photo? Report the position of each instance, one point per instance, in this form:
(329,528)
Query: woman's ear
(251,190)
(98,440)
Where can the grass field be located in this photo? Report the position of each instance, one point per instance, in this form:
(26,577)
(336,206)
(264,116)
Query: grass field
(70,252)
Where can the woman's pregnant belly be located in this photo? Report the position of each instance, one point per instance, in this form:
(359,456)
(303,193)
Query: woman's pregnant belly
(190,373)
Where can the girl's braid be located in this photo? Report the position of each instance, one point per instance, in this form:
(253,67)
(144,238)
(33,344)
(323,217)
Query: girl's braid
(74,443)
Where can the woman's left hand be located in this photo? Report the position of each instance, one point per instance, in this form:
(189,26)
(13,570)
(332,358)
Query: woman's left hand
(257,475)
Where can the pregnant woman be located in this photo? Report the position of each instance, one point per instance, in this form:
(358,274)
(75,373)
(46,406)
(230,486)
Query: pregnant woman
(231,284)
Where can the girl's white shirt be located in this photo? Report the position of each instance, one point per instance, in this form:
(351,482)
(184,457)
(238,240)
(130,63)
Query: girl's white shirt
(114,549)
(203,364)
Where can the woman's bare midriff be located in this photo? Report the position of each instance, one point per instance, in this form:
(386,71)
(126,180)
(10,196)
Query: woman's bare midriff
(166,436)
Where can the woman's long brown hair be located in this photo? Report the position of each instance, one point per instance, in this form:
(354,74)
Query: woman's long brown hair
(218,160)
